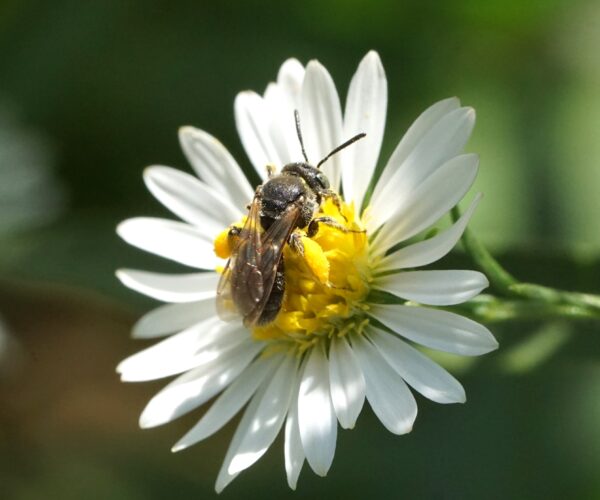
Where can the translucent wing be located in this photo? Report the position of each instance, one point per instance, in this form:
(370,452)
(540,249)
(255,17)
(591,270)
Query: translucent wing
(273,242)
(248,278)
(245,257)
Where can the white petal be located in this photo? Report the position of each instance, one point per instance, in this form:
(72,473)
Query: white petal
(197,386)
(281,99)
(444,141)
(196,346)
(171,287)
(425,376)
(388,395)
(224,478)
(426,204)
(268,418)
(436,288)
(440,330)
(280,119)
(321,120)
(429,250)
(191,199)
(316,417)
(215,166)
(347,382)
(282,125)
(230,401)
(170,318)
(420,127)
(366,106)
(176,241)
(289,79)
(252,121)
(293,450)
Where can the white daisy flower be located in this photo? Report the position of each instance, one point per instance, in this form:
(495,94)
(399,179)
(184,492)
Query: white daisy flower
(331,345)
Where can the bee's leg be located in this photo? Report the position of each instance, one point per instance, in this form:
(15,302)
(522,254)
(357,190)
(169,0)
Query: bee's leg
(313,227)
(295,242)
(333,196)
(271,169)
(233,237)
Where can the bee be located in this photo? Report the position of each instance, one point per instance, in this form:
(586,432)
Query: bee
(253,282)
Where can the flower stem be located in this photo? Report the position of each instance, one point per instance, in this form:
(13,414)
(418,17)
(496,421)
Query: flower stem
(554,296)
(527,299)
(490,309)
(500,279)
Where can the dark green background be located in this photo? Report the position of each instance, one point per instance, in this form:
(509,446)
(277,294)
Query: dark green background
(107,84)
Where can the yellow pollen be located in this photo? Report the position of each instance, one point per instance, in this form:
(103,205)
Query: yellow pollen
(324,287)
(221,244)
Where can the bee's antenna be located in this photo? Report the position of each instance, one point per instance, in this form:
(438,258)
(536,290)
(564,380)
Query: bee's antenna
(342,146)
(299,132)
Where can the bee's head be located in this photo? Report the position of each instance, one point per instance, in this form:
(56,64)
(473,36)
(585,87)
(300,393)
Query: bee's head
(314,177)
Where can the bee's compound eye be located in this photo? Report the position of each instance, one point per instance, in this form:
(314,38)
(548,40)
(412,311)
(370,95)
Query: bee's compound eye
(323,180)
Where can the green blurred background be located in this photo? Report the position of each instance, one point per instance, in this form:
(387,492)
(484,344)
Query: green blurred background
(92,92)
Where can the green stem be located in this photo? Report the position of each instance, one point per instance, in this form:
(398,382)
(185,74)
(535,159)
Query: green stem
(529,299)
(499,278)
(489,309)
(554,296)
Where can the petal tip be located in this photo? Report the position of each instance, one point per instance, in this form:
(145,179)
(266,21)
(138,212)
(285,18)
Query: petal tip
(178,447)
(121,231)
(126,376)
(185,131)
(489,343)
(321,470)
(373,57)
(485,282)
(243,96)
(121,275)
(150,172)
(314,65)
(145,422)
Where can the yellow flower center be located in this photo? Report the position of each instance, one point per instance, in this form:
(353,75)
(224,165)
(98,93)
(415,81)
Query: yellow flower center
(325,287)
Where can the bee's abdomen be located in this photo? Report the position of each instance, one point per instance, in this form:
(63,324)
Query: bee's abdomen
(275,300)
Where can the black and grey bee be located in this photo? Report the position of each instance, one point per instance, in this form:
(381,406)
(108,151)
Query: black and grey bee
(253,283)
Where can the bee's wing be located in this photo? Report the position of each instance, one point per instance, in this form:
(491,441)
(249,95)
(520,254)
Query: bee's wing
(273,242)
(244,258)
(225,307)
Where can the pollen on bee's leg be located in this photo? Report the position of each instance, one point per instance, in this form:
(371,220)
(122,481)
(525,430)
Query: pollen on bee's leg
(221,244)
(227,239)
(295,242)
(271,169)
(316,259)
